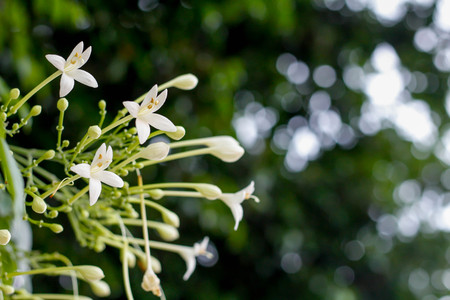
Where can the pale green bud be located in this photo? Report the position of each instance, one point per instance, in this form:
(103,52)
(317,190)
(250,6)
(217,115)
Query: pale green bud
(7,289)
(102,104)
(177,135)
(65,143)
(100,288)
(155,151)
(131,259)
(94,132)
(49,154)
(167,232)
(5,236)
(56,228)
(99,247)
(62,104)
(156,194)
(170,218)
(14,94)
(209,191)
(90,273)
(39,206)
(53,214)
(227,152)
(3,116)
(15,126)
(36,110)
(184,82)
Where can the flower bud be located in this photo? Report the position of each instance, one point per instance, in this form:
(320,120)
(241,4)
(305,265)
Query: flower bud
(177,135)
(155,151)
(102,104)
(52,214)
(184,82)
(56,228)
(14,94)
(170,218)
(156,194)
(131,259)
(39,206)
(15,126)
(94,132)
(62,104)
(3,116)
(209,191)
(35,111)
(167,232)
(100,288)
(228,152)
(90,273)
(7,289)
(5,236)
(65,143)
(49,154)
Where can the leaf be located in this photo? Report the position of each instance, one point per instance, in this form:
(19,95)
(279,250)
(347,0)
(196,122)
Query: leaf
(13,179)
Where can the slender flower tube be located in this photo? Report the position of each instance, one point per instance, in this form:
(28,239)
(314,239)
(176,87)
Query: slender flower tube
(234,201)
(145,114)
(97,174)
(70,69)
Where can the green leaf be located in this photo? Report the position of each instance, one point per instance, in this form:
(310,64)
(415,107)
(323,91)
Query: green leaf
(13,178)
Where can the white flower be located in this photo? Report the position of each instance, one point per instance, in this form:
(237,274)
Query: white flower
(145,114)
(190,253)
(151,282)
(70,69)
(234,201)
(97,174)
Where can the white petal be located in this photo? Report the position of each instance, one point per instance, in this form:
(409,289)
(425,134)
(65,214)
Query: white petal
(132,107)
(233,201)
(95,188)
(56,60)
(78,49)
(189,258)
(109,178)
(143,130)
(84,170)
(150,95)
(100,151)
(160,122)
(160,100)
(66,85)
(86,54)
(250,189)
(109,155)
(83,77)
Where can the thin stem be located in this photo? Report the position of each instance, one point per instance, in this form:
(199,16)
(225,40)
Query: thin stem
(144,222)
(78,195)
(178,156)
(14,109)
(117,123)
(62,184)
(188,185)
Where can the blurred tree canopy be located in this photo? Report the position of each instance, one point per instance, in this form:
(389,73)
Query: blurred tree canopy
(341,105)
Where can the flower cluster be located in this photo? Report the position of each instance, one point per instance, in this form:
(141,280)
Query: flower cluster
(101,187)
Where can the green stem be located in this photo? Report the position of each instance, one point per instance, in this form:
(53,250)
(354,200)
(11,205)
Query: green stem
(14,109)
(62,184)
(178,156)
(188,185)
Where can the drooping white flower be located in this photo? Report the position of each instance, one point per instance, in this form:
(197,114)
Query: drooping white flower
(70,69)
(151,283)
(97,174)
(190,253)
(234,201)
(145,114)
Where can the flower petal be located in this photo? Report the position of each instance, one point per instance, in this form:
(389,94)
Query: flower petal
(85,56)
(66,85)
(160,100)
(95,188)
(109,178)
(83,77)
(56,60)
(150,95)
(84,170)
(78,49)
(109,155)
(233,201)
(143,130)
(132,107)
(97,158)
(189,258)
(160,122)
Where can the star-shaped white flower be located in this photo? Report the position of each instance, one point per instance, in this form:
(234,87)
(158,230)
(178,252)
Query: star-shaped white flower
(70,69)
(97,174)
(145,114)
(234,201)
(190,253)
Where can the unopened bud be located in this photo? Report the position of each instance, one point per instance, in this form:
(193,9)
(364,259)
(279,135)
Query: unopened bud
(35,111)
(177,135)
(155,151)
(49,154)
(15,126)
(62,104)
(94,132)
(227,152)
(3,116)
(131,259)
(52,214)
(65,143)
(14,94)
(102,104)
(100,288)
(99,247)
(39,206)
(90,273)
(209,191)
(5,236)
(156,194)
(56,228)
(184,82)
(7,289)
(170,218)
(167,232)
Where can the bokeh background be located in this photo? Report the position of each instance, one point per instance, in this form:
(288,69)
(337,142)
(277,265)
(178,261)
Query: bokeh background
(343,109)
